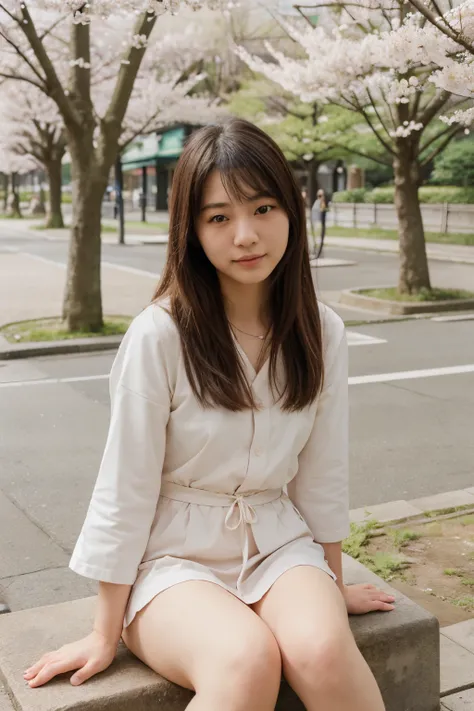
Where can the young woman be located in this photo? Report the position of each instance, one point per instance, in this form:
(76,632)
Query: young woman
(216,522)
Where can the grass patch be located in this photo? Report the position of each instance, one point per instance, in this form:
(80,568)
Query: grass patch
(392,294)
(360,535)
(156,227)
(378,233)
(451,572)
(53,329)
(469,582)
(402,537)
(466,602)
(447,510)
(386,565)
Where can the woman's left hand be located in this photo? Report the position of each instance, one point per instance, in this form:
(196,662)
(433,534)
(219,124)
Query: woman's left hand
(366,598)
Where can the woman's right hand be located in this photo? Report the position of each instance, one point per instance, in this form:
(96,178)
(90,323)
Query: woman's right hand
(89,656)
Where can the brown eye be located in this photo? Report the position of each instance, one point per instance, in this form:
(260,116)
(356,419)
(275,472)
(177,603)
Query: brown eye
(265,209)
(218,219)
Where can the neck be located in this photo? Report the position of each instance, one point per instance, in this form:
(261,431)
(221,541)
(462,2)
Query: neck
(246,304)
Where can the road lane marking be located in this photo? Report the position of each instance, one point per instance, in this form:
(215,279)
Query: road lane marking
(53,381)
(62,265)
(411,374)
(361,339)
(457,317)
(353,380)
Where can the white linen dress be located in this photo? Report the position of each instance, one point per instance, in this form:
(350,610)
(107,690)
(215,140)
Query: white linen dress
(192,493)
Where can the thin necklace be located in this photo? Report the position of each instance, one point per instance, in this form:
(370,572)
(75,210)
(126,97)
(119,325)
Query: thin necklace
(261,338)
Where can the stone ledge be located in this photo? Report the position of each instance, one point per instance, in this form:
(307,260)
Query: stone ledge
(401,647)
(351,297)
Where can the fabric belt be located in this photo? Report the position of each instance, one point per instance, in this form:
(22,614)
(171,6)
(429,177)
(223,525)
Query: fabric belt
(241,508)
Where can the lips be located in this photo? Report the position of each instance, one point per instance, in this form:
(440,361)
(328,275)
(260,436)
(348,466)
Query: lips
(250,258)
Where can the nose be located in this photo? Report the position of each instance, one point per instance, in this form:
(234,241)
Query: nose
(245,234)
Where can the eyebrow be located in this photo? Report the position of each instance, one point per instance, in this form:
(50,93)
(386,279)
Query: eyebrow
(252,198)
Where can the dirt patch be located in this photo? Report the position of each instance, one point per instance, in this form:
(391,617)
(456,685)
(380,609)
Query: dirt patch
(435,558)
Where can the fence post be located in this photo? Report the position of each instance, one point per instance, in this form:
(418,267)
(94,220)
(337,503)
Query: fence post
(354,215)
(444,218)
(375,214)
(335,213)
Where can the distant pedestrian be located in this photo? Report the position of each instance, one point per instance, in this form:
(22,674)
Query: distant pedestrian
(320,209)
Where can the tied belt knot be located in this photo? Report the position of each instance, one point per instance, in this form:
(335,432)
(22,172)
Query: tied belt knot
(240,514)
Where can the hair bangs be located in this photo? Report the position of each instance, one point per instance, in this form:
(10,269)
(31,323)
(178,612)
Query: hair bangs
(243,179)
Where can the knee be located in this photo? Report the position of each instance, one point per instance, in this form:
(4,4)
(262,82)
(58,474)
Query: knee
(321,663)
(251,662)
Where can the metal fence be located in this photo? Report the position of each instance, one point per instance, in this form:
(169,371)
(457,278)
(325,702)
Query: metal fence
(437,217)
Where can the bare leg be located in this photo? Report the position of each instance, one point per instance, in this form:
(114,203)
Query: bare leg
(201,637)
(321,662)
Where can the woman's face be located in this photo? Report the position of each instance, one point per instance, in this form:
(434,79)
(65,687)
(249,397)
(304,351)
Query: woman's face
(243,240)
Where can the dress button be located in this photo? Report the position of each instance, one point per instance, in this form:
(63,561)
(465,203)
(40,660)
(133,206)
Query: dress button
(258,452)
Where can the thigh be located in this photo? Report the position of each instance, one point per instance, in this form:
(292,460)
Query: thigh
(195,630)
(307,614)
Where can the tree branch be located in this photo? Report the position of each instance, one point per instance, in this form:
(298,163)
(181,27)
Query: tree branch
(444,27)
(53,84)
(129,70)
(81,51)
(432,109)
(20,77)
(440,148)
(22,55)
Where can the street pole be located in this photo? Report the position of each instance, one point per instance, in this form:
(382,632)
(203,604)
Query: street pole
(119,199)
(144,192)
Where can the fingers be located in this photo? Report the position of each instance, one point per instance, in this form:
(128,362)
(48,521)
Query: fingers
(85,673)
(49,670)
(383,606)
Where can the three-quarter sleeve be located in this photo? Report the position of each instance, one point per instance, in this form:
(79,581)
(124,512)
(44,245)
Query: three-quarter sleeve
(123,505)
(320,489)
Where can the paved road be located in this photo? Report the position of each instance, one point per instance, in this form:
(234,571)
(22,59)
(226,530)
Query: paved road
(411,422)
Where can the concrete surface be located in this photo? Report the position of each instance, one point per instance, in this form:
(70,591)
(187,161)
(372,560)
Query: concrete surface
(464,701)
(462,634)
(401,647)
(457,666)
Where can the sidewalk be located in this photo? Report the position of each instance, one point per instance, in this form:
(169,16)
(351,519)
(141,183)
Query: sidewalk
(31,287)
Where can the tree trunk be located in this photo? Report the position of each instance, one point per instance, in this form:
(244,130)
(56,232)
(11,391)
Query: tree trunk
(13,199)
(55,215)
(82,308)
(5,181)
(414,272)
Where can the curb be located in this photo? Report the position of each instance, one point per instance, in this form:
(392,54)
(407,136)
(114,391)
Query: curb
(384,250)
(426,508)
(351,297)
(10,351)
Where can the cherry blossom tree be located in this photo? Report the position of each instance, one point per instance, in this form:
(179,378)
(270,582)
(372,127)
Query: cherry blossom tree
(93,79)
(32,126)
(12,166)
(365,59)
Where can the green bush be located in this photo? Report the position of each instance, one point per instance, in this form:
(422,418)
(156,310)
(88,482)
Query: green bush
(447,193)
(356,195)
(381,196)
(455,165)
(427,194)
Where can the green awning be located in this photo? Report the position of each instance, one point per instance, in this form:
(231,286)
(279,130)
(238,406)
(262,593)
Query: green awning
(152,149)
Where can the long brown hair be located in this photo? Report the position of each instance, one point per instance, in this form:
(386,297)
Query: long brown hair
(248,160)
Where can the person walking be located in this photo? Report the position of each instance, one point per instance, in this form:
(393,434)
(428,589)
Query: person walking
(216,521)
(320,209)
